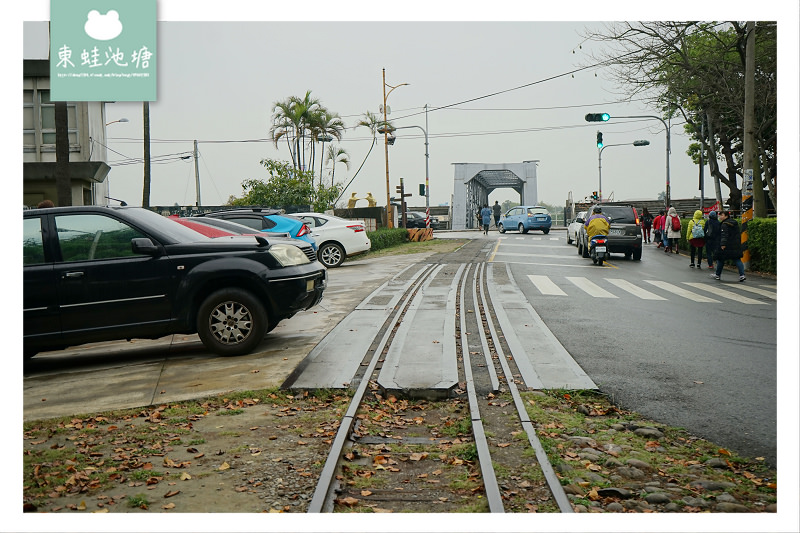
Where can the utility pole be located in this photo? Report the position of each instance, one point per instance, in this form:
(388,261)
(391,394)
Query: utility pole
(196,174)
(63,181)
(751,181)
(146,187)
(389,223)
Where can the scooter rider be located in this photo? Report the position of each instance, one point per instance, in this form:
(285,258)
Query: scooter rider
(597,224)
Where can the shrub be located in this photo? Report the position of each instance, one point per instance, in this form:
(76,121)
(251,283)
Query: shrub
(762,241)
(386,238)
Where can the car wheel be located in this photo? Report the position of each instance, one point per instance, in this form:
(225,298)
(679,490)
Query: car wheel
(501,229)
(569,239)
(521,228)
(580,248)
(231,322)
(637,254)
(585,252)
(546,231)
(331,255)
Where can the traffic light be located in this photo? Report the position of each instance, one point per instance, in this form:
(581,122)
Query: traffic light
(422,189)
(594,195)
(599,140)
(399,189)
(597,117)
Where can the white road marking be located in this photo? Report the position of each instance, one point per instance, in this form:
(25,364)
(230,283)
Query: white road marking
(762,292)
(546,285)
(590,288)
(633,289)
(674,289)
(724,293)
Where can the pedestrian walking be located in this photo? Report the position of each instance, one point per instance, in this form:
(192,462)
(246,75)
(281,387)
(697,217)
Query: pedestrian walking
(671,234)
(647,221)
(496,212)
(730,245)
(696,234)
(712,237)
(486,216)
(658,228)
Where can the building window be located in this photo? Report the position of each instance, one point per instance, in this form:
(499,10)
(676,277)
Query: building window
(39,124)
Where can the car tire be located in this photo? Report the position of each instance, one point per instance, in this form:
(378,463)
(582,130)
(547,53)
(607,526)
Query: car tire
(232,322)
(545,231)
(637,254)
(585,252)
(501,229)
(330,254)
(522,228)
(569,239)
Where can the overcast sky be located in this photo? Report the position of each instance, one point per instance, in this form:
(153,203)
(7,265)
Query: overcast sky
(218,81)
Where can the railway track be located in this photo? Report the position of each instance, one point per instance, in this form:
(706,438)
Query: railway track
(411,449)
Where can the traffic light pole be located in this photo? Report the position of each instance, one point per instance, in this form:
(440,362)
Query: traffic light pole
(600,164)
(427,183)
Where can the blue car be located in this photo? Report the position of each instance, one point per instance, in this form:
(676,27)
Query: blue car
(524,218)
(270,220)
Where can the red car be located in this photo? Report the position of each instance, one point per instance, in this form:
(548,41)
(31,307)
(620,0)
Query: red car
(214,227)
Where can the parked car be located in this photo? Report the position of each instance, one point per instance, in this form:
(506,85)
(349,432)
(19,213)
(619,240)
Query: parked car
(270,220)
(416,219)
(336,237)
(574,228)
(625,234)
(217,228)
(96,273)
(524,218)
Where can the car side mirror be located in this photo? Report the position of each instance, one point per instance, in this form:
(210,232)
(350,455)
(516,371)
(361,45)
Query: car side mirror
(143,246)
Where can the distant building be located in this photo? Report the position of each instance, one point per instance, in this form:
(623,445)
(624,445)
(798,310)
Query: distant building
(86,129)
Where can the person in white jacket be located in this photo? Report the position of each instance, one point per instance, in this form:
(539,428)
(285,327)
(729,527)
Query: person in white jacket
(673,236)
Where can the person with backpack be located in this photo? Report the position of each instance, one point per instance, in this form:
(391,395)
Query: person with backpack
(672,231)
(696,233)
(730,245)
(647,221)
(712,237)
(658,226)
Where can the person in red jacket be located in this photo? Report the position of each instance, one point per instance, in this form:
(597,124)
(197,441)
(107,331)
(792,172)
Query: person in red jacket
(658,226)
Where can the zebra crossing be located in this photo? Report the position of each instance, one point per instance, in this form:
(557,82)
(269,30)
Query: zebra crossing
(659,290)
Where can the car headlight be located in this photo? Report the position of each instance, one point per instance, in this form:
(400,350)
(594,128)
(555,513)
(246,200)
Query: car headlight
(288,255)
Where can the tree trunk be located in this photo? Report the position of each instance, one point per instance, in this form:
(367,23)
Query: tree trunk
(63,181)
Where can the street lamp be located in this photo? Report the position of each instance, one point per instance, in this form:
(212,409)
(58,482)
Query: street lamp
(600,164)
(427,181)
(605,117)
(108,184)
(119,120)
(386,146)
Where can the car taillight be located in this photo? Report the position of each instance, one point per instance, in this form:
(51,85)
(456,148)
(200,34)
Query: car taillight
(636,216)
(357,228)
(303,231)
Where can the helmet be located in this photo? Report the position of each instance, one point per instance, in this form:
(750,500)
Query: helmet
(597,209)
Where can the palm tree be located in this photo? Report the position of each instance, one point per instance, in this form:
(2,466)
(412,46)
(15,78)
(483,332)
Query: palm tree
(373,122)
(325,125)
(334,154)
(292,119)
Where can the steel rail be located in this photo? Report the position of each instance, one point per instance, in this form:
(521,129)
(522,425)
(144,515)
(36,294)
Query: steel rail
(328,473)
(484,343)
(556,489)
(490,485)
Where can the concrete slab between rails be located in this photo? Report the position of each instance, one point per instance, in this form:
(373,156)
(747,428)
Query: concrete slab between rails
(542,360)
(335,360)
(421,360)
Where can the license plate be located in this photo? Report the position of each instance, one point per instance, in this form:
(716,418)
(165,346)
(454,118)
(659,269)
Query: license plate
(599,249)
(617,232)
(309,285)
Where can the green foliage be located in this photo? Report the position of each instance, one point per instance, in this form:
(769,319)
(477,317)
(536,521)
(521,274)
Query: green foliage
(386,238)
(285,186)
(762,241)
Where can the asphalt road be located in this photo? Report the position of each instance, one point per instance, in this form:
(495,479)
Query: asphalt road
(701,356)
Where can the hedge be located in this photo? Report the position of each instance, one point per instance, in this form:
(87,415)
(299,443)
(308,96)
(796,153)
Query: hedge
(762,239)
(386,238)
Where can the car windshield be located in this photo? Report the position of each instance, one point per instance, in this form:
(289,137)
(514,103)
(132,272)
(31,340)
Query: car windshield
(620,214)
(176,232)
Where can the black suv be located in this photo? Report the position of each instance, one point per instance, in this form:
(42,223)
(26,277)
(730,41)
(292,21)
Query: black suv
(625,235)
(105,273)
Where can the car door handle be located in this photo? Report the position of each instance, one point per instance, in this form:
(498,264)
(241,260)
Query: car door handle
(73,274)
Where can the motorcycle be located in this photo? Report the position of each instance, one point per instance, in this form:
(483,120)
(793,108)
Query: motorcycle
(598,249)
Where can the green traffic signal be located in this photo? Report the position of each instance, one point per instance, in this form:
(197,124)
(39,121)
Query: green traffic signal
(599,140)
(597,117)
